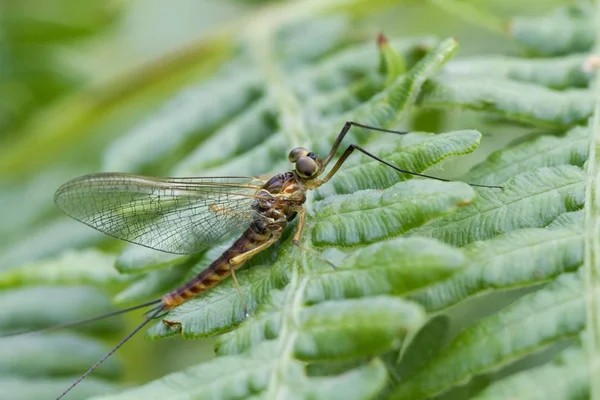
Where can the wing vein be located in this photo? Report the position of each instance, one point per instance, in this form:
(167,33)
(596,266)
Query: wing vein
(175,215)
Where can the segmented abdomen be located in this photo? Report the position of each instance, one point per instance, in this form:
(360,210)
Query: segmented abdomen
(219,269)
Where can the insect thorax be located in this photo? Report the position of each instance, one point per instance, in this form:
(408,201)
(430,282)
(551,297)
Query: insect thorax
(279,182)
(280,198)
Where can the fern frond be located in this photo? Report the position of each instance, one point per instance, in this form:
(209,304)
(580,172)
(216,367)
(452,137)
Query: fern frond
(402,288)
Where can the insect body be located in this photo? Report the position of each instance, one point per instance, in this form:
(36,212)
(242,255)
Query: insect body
(186,215)
(275,204)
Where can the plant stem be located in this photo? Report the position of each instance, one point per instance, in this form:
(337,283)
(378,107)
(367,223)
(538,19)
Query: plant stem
(592,241)
(473,15)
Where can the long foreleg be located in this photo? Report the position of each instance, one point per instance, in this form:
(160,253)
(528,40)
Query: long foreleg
(237,261)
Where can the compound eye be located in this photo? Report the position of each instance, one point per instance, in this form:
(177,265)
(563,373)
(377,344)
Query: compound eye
(297,153)
(306,167)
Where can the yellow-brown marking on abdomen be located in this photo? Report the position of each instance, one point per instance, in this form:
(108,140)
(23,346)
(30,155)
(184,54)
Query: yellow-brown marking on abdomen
(220,269)
(206,280)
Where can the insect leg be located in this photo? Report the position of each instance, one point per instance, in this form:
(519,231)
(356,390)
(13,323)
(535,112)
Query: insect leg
(298,235)
(238,261)
(239,289)
(344,131)
(300,228)
(353,147)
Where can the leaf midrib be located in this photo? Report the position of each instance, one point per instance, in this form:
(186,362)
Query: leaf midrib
(503,205)
(570,235)
(514,163)
(290,317)
(379,205)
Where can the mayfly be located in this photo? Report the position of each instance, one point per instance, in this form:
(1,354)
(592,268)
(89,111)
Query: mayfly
(186,215)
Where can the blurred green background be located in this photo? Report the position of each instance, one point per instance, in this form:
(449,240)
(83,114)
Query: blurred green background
(74,76)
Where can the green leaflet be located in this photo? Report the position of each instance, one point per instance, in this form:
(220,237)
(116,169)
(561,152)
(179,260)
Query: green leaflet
(268,158)
(372,215)
(194,113)
(531,199)
(94,116)
(19,192)
(33,41)
(570,220)
(425,345)
(247,130)
(157,136)
(351,332)
(389,105)
(392,64)
(194,318)
(246,376)
(369,379)
(71,267)
(414,152)
(225,378)
(221,307)
(516,101)
(540,151)
(345,99)
(397,266)
(47,240)
(344,81)
(567,29)
(520,258)
(565,378)
(526,326)
(343,68)
(136,259)
(152,285)
(62,304)
(472,14)
(34,389)
(354,328)
(265,325)
(556,72)
(54,354)
(291,42)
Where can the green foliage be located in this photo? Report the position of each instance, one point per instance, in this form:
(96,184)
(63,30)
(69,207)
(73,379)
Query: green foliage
(32,74)
(565,30)
(566,377)
(528,325)
(402,288)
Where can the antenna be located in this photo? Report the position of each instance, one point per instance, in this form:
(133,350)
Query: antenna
(416,173)
(353,147)
(82,321)
(155,313)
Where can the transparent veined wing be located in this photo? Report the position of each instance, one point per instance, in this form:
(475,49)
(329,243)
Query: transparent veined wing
(175,215)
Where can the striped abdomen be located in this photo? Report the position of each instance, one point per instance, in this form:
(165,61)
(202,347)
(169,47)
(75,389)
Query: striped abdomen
(220,269)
